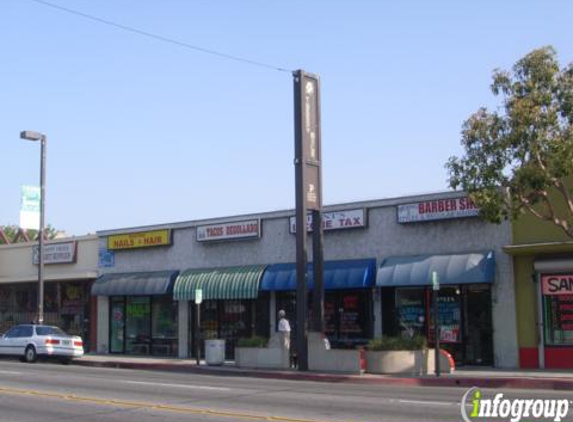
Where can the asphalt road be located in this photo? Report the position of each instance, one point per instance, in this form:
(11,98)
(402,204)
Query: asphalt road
(53,392)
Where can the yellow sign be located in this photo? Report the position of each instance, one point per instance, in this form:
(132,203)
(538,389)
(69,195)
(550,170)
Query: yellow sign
(139,240)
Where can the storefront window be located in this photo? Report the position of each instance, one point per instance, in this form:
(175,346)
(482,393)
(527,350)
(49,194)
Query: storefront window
(449,315)
(558,304)
(138,325)
(411,311)
(354,315)
(164,326)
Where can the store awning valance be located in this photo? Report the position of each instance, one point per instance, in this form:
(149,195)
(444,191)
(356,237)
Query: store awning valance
(417,270)
(220,283)
(135,284)
(348,274)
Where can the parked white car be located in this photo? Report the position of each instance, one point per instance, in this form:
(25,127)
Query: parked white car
(29,341)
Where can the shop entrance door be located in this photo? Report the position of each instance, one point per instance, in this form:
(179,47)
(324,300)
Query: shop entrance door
(478,325)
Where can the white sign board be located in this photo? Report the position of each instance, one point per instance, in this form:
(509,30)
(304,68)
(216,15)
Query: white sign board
(438,209)
(57,253)
(230,231)
(335,220)
(30,207)
(198,296)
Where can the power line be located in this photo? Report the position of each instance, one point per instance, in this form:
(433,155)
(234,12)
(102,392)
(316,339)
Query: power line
(160,37)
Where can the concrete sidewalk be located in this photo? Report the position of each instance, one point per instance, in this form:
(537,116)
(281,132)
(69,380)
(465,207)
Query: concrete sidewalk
(472,377)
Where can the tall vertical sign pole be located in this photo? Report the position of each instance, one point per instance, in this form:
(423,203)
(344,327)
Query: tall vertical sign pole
(308,193)
(315,159)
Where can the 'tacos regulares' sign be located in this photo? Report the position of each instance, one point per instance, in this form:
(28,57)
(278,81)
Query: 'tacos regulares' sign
(230,231)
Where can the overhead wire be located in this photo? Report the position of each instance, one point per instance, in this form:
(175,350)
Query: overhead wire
(161,37)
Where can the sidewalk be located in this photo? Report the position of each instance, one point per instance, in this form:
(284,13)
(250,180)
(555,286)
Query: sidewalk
(471,377)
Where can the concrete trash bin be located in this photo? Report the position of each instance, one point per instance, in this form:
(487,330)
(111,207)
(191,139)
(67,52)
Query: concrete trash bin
(215,352)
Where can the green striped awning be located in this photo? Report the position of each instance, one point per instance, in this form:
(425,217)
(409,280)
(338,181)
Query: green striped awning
(219,283)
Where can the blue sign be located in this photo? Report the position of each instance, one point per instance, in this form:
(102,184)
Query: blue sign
(106,258)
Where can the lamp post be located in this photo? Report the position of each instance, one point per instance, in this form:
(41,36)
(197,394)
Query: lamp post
(36,136)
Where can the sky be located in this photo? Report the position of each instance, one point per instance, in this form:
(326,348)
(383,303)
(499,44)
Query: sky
(144,130)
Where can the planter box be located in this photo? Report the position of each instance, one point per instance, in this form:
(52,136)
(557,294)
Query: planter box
(262,357)
(400,362)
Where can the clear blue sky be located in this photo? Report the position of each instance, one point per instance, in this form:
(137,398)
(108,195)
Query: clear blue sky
(146,132)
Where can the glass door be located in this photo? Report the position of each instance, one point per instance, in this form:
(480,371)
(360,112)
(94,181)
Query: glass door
(117,324)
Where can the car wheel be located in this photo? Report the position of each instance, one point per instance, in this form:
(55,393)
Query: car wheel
(65,361)
(30,354)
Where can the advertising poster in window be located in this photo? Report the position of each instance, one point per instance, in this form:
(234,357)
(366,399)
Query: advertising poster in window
(411,311)
(449,317)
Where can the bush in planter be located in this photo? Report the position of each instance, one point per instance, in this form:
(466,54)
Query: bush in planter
(398,343)
(255,341)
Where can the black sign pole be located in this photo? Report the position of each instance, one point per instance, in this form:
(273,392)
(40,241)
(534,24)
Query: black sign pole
(318,262)
(301,253)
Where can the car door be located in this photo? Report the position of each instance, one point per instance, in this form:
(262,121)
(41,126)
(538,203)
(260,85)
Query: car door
(7,341)
(23,338)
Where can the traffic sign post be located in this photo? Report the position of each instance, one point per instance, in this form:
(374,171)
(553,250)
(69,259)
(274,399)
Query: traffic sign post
(198,300)
(435,291)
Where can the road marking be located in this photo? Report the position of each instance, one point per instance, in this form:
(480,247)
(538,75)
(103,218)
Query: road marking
(10,373)
(194,387)
(151,406)
(428,403)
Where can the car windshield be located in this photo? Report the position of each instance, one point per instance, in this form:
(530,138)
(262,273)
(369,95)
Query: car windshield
(50,331)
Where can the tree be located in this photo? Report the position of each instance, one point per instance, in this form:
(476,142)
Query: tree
(521,158)
(12,230)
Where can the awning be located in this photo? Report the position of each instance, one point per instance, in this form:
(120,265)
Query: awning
(135,284)
(417,270)
(349,274)
(219,283)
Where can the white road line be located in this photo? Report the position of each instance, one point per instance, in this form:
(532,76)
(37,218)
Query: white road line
(10,373)
(428,403)
(194,387)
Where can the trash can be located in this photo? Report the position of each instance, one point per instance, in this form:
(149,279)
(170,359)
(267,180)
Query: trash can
(215,352)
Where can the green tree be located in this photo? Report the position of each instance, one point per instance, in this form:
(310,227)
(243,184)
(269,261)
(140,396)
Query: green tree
(521,158)
(12,230)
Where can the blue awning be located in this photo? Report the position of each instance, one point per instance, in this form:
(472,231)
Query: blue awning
(478,267)
(350,274)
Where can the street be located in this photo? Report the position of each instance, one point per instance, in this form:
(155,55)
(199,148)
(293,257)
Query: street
(54,392)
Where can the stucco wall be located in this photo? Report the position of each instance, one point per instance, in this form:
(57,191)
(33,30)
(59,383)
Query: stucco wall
(16,262)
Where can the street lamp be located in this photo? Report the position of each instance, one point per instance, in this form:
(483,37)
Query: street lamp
(36,136)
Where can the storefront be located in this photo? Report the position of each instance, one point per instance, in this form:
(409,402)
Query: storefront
(142,313)
(348,285)
(464,302)
(70,269)
(231,307)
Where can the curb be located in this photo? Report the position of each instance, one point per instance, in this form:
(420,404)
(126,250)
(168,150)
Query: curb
(445,381)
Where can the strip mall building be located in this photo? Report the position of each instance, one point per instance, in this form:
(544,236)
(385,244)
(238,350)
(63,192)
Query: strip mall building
(379,256)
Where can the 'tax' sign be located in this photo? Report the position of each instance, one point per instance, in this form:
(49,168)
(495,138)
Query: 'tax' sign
(335,220)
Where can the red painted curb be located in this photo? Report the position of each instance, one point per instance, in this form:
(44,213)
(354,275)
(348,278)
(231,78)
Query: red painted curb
(444,381)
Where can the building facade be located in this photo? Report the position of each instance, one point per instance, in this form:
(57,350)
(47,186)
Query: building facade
(379,257)
(543,265)
(70,270)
